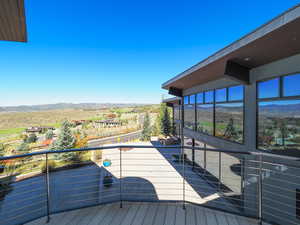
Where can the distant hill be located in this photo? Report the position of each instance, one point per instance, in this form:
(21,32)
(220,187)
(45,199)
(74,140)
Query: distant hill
(273,109)
(58,106)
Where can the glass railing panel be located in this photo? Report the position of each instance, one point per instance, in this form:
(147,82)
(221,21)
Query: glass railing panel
(22,189)
(74,180)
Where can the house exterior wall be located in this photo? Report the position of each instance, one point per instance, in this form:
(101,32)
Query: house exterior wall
(286,185)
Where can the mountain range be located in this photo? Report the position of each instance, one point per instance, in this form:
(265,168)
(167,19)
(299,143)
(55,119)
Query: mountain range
(58,106)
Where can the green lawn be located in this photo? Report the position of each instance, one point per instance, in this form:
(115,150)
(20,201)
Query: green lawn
(12,131)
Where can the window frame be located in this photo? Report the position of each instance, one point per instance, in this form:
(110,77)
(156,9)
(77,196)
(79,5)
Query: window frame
(189,105)
(280,97)
(214,103)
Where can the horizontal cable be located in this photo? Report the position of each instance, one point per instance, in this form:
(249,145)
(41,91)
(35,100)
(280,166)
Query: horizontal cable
(26,213)
(279,217)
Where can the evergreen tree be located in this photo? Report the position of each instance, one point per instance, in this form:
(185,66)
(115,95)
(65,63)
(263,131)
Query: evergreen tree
(23,148)
(65,140)
(230,131)
(49,135)
(2,149)
(32,138)
(146,133)
(165,121)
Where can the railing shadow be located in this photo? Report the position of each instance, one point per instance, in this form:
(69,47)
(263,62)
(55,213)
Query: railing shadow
(208,187)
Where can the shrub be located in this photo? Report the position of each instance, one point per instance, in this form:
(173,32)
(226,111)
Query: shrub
(32,138)
(23,148)
(49,135)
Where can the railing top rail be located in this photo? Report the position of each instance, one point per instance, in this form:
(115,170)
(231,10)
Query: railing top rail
(149,146)
(120,146)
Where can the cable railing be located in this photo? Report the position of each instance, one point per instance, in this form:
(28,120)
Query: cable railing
(251,184)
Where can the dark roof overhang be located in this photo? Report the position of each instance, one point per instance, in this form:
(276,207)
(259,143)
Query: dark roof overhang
(277,39)
(12,21)
(172,101)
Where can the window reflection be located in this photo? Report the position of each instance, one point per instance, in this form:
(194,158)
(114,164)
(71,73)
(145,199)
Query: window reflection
(291,85)
(268,89)
(279,126)
(200,97)
(236,93)
(221,95)
(209,97)
(229,121)
(189,116)
(186,100)
(205,118)
(192,99)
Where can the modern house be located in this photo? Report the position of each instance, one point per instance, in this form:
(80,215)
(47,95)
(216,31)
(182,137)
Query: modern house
(237,114)
(246,97)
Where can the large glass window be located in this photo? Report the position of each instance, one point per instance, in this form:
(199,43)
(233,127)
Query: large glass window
(189,113)
(209,97)
(205,118)
(177,112)
(279,125)
(186,100)
(192,99)
(229,121)
(236,93)
(222,113)
(221,95)
(189,116)
(200,97)
(279,117)
(269,88)
(291,85)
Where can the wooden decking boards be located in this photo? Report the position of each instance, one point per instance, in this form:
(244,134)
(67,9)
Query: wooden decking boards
(145,214)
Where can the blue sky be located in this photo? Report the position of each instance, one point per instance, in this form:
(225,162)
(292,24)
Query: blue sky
(118,51)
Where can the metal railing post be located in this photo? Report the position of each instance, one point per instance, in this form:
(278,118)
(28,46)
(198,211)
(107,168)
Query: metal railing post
(220,170)
(48,189)
(204,160)
(193,153)
(260,190)
(121,203)
(183,190)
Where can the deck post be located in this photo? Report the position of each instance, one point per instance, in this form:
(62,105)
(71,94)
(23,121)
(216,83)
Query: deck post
(121,203)
(220,171)
(260,189)
(182,153)
(48,189)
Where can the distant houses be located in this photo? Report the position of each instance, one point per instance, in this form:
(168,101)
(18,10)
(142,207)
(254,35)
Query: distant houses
(80,122)
(38,129)
(107,123)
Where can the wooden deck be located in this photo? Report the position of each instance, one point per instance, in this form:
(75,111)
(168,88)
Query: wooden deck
(145,214)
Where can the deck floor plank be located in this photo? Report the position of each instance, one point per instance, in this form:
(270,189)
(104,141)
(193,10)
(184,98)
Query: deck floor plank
(210,217)
(100,216)
(117,220)
(139,218)
(200,216)
(160,214)
(221,219)
(190,215)
(110,214)
(150,215)
(170,214)
(145,214)
(133,210)
(180,215)
(91,214)
(231,219)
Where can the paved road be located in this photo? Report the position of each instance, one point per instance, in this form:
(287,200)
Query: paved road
(115,139)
